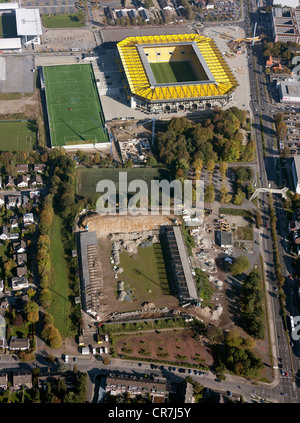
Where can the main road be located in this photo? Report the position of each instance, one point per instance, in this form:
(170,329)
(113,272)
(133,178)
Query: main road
(285,359)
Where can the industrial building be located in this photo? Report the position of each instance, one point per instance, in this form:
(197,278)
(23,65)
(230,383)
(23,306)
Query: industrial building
(285,24)
(154,386)
(178,262)
(296,173)
(289,91)
(23,27)
(195,73)
(90,272)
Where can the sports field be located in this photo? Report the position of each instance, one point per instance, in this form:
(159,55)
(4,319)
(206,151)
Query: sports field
(17,136)
(87,179)
(170,72)
(73,104)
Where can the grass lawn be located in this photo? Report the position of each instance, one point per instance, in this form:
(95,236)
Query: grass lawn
(145,271)
(20,331)
(168,72)
(87,179)
(18,135)
(245,233)
(71,20)
(73,104)
(61,304)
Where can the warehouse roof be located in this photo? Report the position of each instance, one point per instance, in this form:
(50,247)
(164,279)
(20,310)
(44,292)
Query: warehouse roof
(28,22)
(10,43)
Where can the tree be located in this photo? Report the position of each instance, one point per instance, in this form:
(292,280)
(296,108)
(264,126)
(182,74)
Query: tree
(45,298)
(209,194)
(51,336)
(223,168)
(240,265)
(210,166)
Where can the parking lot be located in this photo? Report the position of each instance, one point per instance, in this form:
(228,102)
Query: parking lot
(51,6)
(292,137)
(238,63)
(18,74)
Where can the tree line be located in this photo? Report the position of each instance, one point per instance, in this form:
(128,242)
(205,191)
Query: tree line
(219,139)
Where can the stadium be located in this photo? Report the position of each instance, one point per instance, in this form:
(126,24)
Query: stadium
(174,72)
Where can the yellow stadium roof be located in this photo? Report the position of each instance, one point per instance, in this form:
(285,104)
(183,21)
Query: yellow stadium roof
(220,83)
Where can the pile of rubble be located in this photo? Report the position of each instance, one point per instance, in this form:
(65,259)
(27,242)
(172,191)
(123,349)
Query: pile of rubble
(131,242)
(121,291)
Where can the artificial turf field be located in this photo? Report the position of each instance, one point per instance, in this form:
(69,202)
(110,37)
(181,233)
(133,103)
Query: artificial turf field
(170,72)
(74,108)
(17,136)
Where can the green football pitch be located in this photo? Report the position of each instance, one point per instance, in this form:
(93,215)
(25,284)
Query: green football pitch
(17,136)
(74,108)
(170,72)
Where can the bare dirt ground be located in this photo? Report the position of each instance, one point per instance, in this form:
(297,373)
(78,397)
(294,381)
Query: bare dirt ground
(29,106)
(106,225)
(175,343)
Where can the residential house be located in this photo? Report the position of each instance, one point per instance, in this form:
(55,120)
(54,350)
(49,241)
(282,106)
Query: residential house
(25,200)
(40,167)
(28,219)
(22,168)
(20,246)
(154,386)
(120,13)
(50,377)
(22,379)
(109,13)
(0,182)
(34,196)
(13,221)
(21,259)
(3,233)
(22,181)
(19,283)
(13,236)
(3,380)
(164,4)
(21,271)
(132,13)
(167,15)
(19,344)
(1,285)
(145,14)
(9,182)
(35,181)
(13,201)
(2,200)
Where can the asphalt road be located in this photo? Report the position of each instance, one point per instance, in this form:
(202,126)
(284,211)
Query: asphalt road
(285,358)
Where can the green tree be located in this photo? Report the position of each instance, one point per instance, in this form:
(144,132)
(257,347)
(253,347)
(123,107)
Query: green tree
(240,265)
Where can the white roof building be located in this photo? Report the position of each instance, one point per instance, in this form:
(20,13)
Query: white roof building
(10,44)
(29,25)
(9,6)
(289,91)
(288,3)
(296,173)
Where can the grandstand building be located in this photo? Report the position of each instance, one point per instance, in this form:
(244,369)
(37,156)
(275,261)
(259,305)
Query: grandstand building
(20,27)
(173,72)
